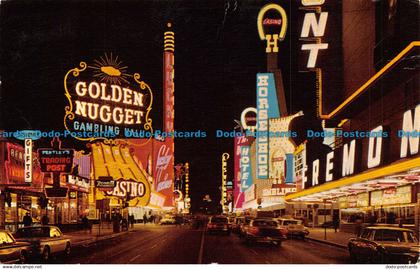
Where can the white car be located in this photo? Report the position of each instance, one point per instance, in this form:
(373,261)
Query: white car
(45,240)
(294,227)
(168,219)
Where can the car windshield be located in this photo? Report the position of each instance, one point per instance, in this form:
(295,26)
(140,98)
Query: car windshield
(247,221)
(5,238)
(264,223)
(33,232)
(219,220)
(411,238)
(287,222)
(389,235)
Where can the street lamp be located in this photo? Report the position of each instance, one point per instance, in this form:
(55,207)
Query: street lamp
(325,219)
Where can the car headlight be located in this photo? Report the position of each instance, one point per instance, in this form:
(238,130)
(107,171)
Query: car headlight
(415,250)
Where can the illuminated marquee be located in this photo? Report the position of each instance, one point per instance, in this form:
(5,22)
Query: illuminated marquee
(272,39)
(343,161)
(103,99)
(117,162)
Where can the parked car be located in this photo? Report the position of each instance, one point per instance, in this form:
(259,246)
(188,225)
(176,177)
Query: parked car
(246,221)
(168,219)
(265,230)
(12,251)
(45,240)
(385,245)
(218,224)
(236,224)
(294,227)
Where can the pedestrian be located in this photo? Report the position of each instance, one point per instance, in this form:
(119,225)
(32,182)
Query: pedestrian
(336,222)
(178,220)
(45,220)
(131,220)
(144,219)
(124,224)
(85,223)
(27,220)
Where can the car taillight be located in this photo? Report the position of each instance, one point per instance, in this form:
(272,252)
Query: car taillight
(211,225)
(283,231)
(254,230)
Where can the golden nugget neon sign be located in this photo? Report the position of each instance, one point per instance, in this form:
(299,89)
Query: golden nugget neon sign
(105,101)
(272,40)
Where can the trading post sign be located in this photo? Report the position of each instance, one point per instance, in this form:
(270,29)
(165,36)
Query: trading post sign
(56,160)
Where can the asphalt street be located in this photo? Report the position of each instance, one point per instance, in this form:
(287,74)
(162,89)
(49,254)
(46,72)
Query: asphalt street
(183,245)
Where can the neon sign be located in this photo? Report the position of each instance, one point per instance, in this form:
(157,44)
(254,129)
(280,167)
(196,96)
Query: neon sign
(15,166)
(272,39)
(103,98)
(225,157)
(128,188)
(28,160)
(347,160)
(310,22)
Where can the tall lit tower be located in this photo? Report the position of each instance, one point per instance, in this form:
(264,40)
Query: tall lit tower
(168,79)
(168,92)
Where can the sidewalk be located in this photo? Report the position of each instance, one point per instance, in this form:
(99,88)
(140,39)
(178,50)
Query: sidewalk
(98,233)
(337,239)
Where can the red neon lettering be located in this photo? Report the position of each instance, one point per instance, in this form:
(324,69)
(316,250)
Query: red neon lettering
(268,21)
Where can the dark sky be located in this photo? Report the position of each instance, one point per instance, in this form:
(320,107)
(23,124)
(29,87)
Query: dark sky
(217,56)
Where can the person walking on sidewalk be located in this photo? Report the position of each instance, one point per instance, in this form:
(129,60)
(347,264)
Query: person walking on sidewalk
(45,220)
(336,221)
(27,220)
(144,219)
(86,225)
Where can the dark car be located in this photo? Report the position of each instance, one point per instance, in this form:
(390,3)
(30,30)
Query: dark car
(385,245)
(236,224)
(12,251)
(265,230)
(45,240)
(244,223)
(218,224)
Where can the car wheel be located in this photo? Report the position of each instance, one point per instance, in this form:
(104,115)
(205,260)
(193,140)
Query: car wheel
(67,250)
(46,254)
(353,256)
(23,257)
(277,243)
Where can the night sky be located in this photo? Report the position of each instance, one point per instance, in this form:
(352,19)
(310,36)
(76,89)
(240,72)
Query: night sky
(217,56)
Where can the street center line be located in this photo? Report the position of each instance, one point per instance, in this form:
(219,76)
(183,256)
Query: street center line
(133,259)
(200,254)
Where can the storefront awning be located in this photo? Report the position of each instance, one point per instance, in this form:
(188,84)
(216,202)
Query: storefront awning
(396,174)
